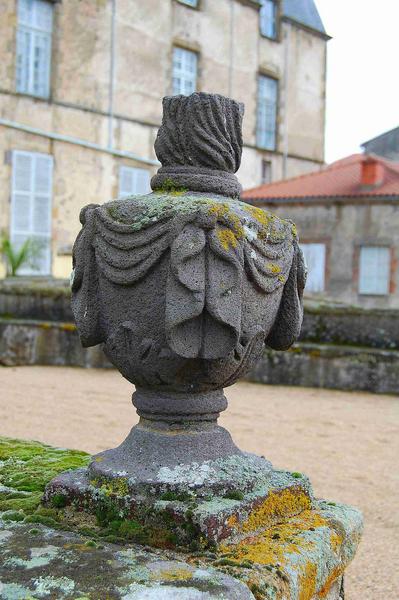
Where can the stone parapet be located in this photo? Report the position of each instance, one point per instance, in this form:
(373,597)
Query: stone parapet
(299,552)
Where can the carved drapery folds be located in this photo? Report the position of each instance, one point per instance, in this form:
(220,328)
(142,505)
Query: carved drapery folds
(212,248)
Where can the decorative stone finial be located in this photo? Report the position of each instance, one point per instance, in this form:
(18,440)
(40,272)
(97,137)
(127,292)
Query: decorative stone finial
(199,144)
(184,287)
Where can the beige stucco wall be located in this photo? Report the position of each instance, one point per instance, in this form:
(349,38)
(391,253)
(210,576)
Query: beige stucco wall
(344,228)
(145,33)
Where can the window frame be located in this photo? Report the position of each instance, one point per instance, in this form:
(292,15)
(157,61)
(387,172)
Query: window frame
(131,169)
(276,37)
(375,246)
(176,48)
(25,82)
(260,76)
(326,245)
(31,193)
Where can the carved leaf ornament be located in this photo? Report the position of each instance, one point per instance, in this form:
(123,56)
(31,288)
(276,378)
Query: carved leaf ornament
(212,247)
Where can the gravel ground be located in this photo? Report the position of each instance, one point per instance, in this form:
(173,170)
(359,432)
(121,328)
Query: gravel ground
(347,443)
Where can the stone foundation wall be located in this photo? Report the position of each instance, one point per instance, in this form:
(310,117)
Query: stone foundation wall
(341,346)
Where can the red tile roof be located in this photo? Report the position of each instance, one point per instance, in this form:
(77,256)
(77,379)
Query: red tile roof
(341,178)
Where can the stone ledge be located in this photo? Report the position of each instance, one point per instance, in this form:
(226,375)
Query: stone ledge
(58,553)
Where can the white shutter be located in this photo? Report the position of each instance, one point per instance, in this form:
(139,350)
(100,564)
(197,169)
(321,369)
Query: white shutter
(315,260)
(35,24)
(184,71)
(133,181)
(31,207)
(374,270)
(267,112)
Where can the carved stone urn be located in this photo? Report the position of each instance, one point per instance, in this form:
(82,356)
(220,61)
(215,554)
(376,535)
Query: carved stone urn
(183,287)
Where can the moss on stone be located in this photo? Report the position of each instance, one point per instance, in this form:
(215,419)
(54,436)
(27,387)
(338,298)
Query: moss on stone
(25,469)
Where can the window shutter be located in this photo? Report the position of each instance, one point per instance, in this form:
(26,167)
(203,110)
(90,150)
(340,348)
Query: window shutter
(35,24)
(133,181)
(374,270)
(31,208)
(267,112)
(184,71)
(315,260)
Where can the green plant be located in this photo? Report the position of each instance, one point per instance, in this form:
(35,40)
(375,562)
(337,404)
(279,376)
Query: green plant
(17,257)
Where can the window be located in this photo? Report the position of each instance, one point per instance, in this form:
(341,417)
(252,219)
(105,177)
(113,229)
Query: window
(374,270)
(35,24)
(267,112)
(31,207)
(268,18)
(184,71)
(190,2)
(266,171)
(315,260)
(133,181)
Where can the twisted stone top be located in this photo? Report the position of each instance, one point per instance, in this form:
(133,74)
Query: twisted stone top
(199,144)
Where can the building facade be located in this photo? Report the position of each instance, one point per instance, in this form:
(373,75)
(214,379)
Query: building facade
(81,83)
(347,216)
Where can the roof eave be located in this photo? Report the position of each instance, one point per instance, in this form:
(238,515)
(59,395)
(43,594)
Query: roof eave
(317,32)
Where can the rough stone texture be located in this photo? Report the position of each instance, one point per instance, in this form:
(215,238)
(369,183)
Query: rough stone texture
(330,366)
(25,342)
(183,289)
(56,553)
(41,562)
(38,299)
(185,144)
(328,322)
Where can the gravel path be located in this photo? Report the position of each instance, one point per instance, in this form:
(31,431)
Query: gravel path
(348,444)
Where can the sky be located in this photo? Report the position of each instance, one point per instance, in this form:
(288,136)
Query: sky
(362,72)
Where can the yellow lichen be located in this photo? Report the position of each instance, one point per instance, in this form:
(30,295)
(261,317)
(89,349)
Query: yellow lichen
(232,521)
(274,268)
(277,505)
(175,574)
(112,487)
(219,210)
(307,582)
(227,238)
(263,217)
(276,543)
(335,573)
(68,327)
(336,541)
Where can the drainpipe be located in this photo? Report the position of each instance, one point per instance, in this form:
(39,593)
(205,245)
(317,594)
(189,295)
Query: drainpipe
(111,78)
(231,63)
(287,39)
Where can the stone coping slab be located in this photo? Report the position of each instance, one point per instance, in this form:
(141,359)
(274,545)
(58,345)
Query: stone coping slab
(298,558)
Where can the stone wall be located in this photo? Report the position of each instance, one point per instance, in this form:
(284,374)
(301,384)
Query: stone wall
(344,225)
(341,347)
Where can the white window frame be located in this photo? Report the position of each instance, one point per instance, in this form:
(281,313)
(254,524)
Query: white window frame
(34,34)
(316,279)
(266,125)
(268,19)
(139,178)
(374,270)
(20,234)
(184,71)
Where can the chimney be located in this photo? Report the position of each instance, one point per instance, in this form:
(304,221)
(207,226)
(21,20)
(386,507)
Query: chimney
(372,172)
